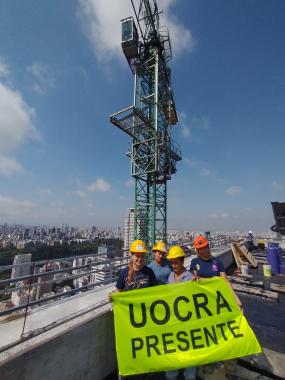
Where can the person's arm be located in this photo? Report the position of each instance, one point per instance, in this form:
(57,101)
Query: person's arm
(237,299)
(193,271)
(112,292)
(195,276)
(120,285)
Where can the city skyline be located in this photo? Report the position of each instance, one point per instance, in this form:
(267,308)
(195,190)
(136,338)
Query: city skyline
(62,73)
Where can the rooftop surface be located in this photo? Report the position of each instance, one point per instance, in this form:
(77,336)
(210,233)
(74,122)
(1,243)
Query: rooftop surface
(266,317)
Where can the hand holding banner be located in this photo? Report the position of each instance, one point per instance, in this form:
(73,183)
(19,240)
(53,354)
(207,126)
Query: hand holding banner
(179,325)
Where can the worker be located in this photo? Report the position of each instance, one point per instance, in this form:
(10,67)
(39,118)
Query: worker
(160,264)
(206,266)
(249,241)
(137,275)
(179,273)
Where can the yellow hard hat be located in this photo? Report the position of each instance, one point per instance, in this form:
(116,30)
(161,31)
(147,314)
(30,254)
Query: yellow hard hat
(175,252)
(138,246)
(159,246)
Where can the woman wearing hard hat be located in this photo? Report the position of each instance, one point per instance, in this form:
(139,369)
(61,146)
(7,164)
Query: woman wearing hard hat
(160,265)
(179,273)
(137,275)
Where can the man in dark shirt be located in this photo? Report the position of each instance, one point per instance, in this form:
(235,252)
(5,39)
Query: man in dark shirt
(206,266)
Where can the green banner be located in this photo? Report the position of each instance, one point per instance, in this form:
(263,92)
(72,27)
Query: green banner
(179,325)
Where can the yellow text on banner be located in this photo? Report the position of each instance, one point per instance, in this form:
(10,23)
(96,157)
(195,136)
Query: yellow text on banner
(179,325)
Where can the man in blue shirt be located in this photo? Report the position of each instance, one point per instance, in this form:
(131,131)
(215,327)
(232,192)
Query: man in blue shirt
(205,265)
(160,265)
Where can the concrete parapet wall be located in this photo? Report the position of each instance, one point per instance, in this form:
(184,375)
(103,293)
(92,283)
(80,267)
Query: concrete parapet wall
(82,352)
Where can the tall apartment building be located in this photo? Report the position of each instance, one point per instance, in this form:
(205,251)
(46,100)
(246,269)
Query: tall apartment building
(101,273)
(23,267)
(83,279)
(129,226)
(46,282)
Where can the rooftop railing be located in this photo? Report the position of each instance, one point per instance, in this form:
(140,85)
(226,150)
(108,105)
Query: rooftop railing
(50,276)
(44,283)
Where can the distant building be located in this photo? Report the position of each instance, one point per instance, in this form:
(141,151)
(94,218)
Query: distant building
(83,274)
(45,282)
(129,226)
(19,298)
(101,273)
(23,267)
(107,250)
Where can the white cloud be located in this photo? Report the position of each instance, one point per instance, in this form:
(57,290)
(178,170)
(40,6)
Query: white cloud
(223,215)
(213,216)
(202,167)
(16,120)
(16,126)
(181,37)
(42,77)
(79,193)
(200,122)
(277,186)
(99,185)
(9,166)
(185,131)
(101,23)
(4,69)
(194,163)
(129,182)
(188,124)
(13,208)
(233,190)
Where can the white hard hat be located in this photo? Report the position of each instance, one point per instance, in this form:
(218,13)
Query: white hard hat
(250,232)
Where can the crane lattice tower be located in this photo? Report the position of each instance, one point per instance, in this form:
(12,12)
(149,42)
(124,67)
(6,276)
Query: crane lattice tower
(148,121)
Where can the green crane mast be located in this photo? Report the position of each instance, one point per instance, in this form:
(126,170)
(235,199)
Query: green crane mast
(148,121)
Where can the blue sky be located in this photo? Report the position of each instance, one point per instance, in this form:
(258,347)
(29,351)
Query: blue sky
(62,73)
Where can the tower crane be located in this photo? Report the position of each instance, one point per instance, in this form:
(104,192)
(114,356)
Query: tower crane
(148,121)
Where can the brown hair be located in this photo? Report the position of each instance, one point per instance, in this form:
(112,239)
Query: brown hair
(131,271)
